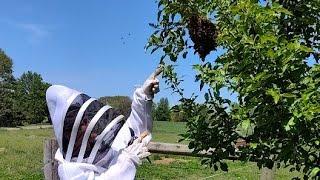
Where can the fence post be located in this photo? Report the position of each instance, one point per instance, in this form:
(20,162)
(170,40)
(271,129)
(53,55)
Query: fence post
(50,164)
(267,174)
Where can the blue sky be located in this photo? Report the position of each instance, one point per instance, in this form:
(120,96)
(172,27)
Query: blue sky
(93,46)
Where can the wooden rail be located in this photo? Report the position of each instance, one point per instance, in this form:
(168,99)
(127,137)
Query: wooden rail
(51,166)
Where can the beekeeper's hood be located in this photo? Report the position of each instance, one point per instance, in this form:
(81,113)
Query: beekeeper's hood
(78,118)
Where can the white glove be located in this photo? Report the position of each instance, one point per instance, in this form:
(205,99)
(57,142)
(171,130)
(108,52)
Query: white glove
(138,149)
(151,85)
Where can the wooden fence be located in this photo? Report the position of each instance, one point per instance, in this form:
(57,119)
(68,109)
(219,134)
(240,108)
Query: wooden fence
(51,166)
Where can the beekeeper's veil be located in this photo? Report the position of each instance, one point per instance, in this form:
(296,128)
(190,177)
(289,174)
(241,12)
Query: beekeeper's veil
(78,118)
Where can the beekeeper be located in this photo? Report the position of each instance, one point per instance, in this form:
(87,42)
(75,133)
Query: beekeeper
(96,141)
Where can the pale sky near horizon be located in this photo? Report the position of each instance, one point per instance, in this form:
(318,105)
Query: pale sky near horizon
(93,46)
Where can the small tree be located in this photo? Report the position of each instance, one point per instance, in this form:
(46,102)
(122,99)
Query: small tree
(267,49)
(162,111)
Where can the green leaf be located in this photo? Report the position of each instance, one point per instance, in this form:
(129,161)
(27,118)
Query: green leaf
(306,49)
(275,93)
(288,95)
(245,128)
(284,11)
(271,53)
(253,145)
(245,124)
(268,38)
(290,124)
(315,171)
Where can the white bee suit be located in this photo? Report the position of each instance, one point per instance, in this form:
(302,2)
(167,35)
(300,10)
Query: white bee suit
(119,160)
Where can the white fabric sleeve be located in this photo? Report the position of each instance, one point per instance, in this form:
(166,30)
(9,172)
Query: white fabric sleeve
(139,120)
(140,117)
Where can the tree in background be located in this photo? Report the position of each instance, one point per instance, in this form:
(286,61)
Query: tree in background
(123,103)
(30,93)
(162,111)
(269,58)
(8,111)
(153,110)
(177,115)
(5,68)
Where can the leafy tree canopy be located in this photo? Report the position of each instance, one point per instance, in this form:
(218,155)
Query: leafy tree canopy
(5,67)
(270,60)
(9,114)
(31,97)
(162,111)
(22,101)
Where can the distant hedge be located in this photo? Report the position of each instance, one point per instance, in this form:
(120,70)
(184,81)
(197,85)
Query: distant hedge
(123,103)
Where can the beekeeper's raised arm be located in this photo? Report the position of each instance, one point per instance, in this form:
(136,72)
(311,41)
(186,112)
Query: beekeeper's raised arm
(140,119)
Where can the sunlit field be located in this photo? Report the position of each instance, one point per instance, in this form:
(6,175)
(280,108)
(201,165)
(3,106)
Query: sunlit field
(21,156)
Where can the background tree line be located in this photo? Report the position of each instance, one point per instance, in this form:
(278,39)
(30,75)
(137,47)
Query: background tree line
(22,100)
(161,111)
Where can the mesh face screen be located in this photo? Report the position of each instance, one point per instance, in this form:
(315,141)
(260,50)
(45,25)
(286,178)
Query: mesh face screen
(102,123)
(98,128)
(107,141)
(70,118)
(88,115)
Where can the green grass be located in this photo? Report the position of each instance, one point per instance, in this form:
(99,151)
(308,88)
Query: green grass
(21,156)
(190,168)
(167,131)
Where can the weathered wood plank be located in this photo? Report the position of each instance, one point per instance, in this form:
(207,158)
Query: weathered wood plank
(50,168)
(167,148)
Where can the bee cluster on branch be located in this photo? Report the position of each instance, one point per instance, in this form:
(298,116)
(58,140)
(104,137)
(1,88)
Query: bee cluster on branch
(203,33)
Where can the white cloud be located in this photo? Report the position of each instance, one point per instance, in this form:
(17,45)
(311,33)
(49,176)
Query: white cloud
(34,32)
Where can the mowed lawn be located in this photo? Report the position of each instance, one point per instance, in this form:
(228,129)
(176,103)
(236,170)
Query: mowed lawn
(21,156)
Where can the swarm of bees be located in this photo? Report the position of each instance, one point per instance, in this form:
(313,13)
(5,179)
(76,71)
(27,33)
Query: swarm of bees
(203,33)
